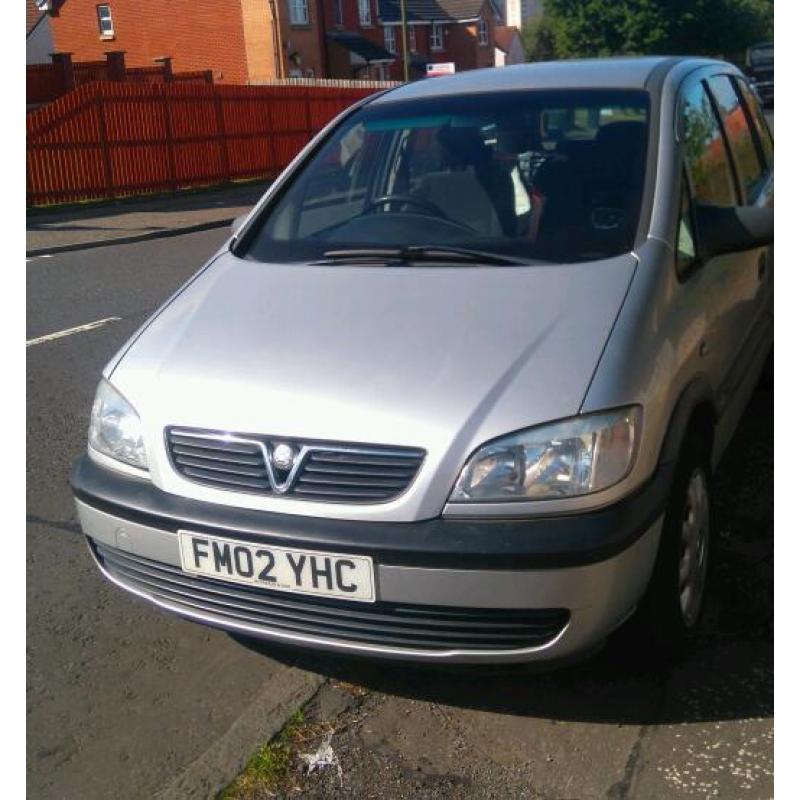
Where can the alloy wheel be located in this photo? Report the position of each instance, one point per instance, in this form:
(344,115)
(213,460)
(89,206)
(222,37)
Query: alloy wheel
(695,537)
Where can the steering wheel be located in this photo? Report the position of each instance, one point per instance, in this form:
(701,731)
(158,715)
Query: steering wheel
(409,199)
(420,202)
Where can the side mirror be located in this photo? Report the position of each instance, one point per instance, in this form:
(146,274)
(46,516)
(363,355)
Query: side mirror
(733,229)
(237,223)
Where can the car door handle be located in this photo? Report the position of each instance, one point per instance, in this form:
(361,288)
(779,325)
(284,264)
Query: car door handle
(762,266)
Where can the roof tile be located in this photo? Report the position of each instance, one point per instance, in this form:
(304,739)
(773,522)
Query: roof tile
(32,16)
(430,10)
(504,36)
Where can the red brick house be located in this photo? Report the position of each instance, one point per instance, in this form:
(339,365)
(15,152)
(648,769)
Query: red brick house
(252,41)
(241,41)
(441,31)
(353,42)
(364,37)
(38,41)
(508,47)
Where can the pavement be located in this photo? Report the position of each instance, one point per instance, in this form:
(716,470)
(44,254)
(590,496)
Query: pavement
(89,225)
(125,701)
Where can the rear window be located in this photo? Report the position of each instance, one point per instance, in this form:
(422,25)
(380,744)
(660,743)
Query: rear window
(537,175)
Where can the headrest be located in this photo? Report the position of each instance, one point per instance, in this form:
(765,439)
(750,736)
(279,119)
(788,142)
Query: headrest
(465,144)
(622,135)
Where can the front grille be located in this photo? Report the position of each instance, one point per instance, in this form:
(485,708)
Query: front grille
(344,473)
(418,627)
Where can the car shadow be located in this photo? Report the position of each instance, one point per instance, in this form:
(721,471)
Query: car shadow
(726,674)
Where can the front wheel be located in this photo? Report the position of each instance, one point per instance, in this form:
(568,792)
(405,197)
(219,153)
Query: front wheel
(671,608)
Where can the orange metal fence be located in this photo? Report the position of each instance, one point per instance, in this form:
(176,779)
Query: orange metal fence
(89,71)
(46,82)
(107,140)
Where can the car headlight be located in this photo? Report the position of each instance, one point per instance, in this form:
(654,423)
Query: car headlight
(563,459)
(115,429)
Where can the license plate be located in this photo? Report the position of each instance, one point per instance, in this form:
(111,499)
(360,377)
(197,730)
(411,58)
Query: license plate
(285,569)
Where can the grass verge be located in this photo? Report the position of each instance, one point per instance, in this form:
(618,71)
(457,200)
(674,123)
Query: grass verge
(272,769)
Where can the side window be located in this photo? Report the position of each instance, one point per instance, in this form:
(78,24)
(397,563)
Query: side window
(336,190)
(685,250)
(706,156)
(759,121)
(737,129)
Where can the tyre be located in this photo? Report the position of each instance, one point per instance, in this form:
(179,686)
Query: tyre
(671,608)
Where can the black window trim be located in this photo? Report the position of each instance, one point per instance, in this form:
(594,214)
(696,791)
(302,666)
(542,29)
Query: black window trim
(737,181)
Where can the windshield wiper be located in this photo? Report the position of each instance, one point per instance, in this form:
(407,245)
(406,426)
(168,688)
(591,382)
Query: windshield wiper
(429,253)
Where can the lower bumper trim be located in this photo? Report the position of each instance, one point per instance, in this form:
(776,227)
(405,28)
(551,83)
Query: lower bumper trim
(393,626)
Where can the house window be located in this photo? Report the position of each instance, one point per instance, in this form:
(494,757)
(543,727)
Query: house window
(483,32)
(437,36)
(298,12)
(104,21)
(388,39)
(412,38)
(338,12)
(364,12)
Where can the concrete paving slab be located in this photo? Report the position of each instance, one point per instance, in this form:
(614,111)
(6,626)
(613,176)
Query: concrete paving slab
(138,219)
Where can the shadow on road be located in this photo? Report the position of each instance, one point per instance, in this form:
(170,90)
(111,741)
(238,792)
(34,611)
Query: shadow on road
(726,675)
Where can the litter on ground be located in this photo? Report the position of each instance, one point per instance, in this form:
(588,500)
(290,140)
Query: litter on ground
(323,757)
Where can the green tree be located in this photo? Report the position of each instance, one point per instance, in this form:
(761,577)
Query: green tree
(575,28)
(603,28)
(538,39)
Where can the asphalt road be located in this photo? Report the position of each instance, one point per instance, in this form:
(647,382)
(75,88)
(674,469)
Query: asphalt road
(121,698)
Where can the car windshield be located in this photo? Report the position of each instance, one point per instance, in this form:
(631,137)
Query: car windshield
(532,176)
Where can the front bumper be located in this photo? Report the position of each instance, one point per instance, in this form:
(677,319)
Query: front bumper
(592,568)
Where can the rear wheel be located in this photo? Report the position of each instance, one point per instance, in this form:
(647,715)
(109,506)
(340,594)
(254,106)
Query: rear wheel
(672,606)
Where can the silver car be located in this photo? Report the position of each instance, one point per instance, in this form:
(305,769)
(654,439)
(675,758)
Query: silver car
(454,390)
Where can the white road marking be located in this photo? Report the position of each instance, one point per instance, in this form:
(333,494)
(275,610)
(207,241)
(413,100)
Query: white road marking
(89,326)
(45,255)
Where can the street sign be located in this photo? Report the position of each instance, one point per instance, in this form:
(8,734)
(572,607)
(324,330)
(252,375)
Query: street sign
(445,68)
